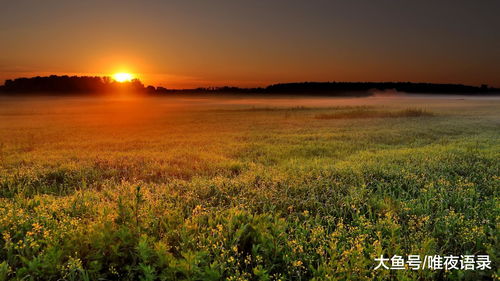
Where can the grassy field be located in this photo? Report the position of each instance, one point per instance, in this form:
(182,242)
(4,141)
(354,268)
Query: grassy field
(246,189)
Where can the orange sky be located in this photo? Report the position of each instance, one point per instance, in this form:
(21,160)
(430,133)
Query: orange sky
(183,44)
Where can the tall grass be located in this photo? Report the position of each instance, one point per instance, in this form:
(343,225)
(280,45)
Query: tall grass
(368,113)
(153,194)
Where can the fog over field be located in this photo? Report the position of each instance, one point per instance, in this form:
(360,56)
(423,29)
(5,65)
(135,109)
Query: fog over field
(249,140)
(229,187)
(56,104)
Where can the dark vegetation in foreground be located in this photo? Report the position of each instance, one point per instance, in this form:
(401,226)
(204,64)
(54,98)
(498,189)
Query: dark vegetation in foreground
(101,85)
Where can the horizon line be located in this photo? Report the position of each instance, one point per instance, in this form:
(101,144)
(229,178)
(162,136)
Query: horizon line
(264,86)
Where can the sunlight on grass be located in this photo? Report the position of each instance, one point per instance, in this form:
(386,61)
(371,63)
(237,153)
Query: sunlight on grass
(158,190)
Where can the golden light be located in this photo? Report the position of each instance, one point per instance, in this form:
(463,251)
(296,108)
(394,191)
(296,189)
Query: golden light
(123,77)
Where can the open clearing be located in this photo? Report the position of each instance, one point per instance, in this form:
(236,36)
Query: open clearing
(240,188)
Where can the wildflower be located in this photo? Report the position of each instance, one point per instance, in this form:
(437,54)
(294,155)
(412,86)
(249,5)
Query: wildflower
(36,226)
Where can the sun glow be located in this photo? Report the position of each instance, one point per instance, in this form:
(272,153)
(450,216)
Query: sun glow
(123,77)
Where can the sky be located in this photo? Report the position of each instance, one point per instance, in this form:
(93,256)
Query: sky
(185,44)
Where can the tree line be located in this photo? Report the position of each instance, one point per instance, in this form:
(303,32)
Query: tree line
(69,84)
(102,85)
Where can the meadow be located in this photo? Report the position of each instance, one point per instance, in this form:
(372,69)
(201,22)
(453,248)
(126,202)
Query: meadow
(238,188)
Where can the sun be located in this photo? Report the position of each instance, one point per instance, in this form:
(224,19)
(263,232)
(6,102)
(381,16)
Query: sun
(123,77)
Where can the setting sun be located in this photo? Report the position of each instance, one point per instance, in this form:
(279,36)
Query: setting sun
(123,77)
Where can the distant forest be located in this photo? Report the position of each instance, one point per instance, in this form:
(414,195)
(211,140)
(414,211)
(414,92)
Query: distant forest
(68,84)
(94,85)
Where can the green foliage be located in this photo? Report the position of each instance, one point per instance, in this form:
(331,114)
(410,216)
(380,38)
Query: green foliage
(246,194)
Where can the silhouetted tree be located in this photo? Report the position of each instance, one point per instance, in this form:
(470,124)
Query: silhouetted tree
(65,84)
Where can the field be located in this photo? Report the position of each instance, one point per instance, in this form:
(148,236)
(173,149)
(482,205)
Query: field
(234,188)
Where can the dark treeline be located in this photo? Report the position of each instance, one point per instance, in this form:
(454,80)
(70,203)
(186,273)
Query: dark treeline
(69,84)
(102,85)
(343,89)
(408,87)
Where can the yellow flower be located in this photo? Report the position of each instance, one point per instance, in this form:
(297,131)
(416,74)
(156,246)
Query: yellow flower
(36,226)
